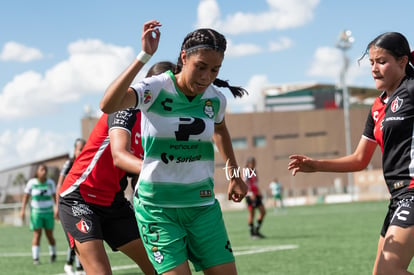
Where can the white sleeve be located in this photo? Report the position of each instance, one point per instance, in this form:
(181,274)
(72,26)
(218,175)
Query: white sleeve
(147,91)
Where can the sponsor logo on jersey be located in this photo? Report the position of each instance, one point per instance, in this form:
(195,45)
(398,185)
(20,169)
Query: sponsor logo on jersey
(147,96)
(79,209)
(205,193)
(179,159)
(208,108)
(396,104)
(84,226)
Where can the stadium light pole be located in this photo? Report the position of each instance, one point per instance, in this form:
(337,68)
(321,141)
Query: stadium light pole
(344,42)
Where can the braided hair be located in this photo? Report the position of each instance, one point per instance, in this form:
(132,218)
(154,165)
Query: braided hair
(395,44)
(207,39)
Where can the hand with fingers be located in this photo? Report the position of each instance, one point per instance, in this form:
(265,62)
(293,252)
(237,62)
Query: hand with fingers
(150,36)
(301,163)
(237,189)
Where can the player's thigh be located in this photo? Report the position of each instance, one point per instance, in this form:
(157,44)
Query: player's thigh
(398,248)
(162,235)
(136,251)
(208,241)
(49,221)
(228,269)
(93,257)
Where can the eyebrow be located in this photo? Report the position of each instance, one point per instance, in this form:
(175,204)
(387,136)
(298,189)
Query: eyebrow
(205,64)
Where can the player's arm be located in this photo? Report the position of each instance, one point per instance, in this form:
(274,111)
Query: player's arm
(26,198)
(354,162)
(120,142)
(118,95)
(237,187)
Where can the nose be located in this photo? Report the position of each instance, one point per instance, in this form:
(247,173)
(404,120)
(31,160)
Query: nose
(374,67)
(206,76)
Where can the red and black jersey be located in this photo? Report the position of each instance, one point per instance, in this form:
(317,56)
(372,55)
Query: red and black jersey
(93,175)
(391,125)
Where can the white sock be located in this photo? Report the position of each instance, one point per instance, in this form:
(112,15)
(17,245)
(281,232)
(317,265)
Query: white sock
(35,251)
(52,250)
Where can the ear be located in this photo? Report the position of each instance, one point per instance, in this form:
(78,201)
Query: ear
(183,56)
(404,61)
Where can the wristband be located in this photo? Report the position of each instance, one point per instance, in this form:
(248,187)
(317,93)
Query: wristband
(143,57)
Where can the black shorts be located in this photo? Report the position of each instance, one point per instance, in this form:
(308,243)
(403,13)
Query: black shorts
(81,221)
(254,203)
(400,212)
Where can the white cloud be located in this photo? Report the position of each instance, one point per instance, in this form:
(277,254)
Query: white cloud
(13,51)
(254,100)
(90,67)
(208,14)
(281,15)
(328,62)
(242,49)
(282,44)
(28,145)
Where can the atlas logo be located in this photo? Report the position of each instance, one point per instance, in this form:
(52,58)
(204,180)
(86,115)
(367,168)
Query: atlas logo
(396,104)
(84,226)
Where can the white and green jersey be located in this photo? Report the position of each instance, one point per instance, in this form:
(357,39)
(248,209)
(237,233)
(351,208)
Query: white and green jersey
(276,188)
(41,195)
(176,132)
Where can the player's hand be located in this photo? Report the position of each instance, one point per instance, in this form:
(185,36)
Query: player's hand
(22,215)
(56,213)
(300,163)
(237,189)
(150,36)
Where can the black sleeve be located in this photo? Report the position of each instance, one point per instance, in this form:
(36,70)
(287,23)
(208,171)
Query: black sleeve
(124,119)
(369,126)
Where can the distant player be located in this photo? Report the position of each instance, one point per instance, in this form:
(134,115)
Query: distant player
(254,199)
(41,190)
(71,255)
(276,190)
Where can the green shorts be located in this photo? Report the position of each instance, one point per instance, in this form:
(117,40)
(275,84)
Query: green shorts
(42,220)
(172,236)
(277,197)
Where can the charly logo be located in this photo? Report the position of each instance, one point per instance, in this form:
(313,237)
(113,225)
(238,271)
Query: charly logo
(396,104)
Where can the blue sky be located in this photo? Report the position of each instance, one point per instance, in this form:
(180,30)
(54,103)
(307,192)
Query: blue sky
(57,57)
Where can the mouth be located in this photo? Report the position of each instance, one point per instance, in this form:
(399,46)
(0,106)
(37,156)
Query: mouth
(201,86)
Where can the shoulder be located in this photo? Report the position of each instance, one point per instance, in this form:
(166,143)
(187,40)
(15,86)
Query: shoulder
(52,185)
(213,91)
(123,119)
(31,182)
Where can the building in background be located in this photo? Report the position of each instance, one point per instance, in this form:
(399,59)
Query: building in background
(296,118)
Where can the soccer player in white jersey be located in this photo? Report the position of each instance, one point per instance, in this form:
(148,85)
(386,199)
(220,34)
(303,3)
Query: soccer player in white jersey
(182,114)
(41,191)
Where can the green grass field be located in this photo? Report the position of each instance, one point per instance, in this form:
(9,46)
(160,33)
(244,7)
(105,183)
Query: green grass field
(319,239)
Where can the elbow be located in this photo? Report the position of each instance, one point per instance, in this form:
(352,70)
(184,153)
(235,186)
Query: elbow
(104,107)
(117,161)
